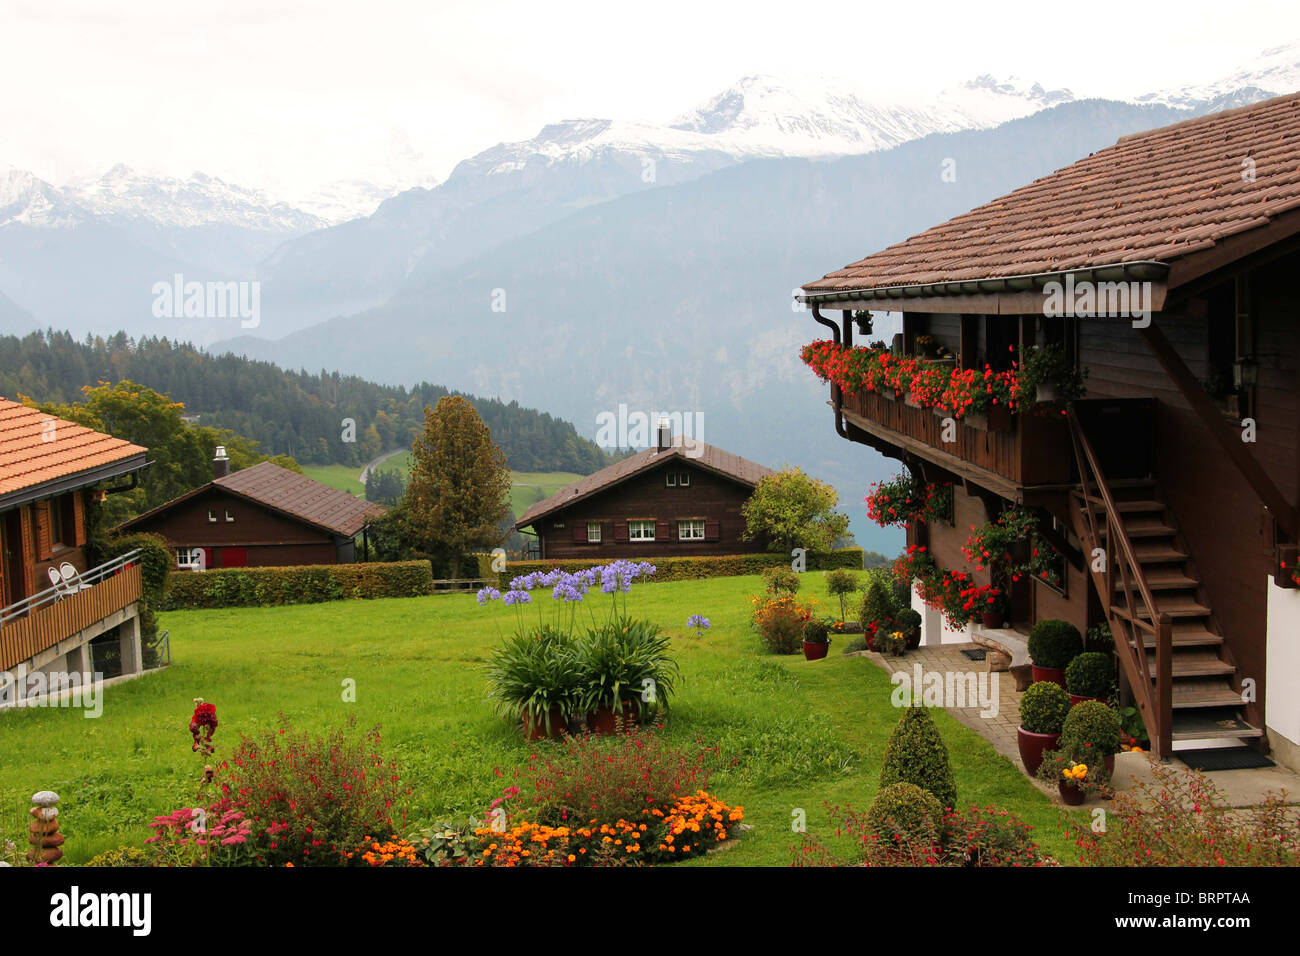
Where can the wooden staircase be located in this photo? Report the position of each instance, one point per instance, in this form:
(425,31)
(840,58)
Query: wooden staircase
(1166,637)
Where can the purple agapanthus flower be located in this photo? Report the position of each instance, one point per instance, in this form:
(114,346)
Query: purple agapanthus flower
(698,622)
(488,594)
(516,596)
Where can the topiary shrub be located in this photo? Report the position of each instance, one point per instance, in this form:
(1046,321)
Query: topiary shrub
(781,580)
(1044,708)
(1091,728)
(877,604)
(906,812)
(916,754)
(1054,643)
(841,583)
(1091,674)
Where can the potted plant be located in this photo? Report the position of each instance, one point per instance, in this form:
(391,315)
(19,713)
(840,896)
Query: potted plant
(1047,374)
(893,643)
(623,673)
(1043,710)
(1053,643)
(816,640)
(1092,732)
(909,622)
(1075,775)
(1068,785)
(533,676)
(989,603)
(1090,676)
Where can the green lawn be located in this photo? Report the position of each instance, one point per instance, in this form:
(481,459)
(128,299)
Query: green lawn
(529,487)
(800,733)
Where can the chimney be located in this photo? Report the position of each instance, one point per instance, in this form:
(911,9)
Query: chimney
(665,433)
(220,463)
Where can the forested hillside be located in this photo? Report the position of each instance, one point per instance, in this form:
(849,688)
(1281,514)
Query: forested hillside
(300,414)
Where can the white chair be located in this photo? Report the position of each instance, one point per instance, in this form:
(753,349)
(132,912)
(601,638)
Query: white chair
(72,578)
(56,581)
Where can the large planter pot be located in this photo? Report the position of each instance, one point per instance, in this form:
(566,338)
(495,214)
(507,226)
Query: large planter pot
(815,650)
(1070,793)
(913,639)
(1032,746)
(1054,674)
(559,726)
(993,619)
(604,721)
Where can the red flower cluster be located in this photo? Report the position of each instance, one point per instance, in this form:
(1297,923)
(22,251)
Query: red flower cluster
(203,724)
(902,501)
(985,597)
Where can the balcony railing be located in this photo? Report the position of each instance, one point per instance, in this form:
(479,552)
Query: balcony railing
(55,614)
(1031,449)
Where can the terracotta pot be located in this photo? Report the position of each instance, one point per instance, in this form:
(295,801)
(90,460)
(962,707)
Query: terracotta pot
(1070,793)
(993,619)
(559,726)
(603,720)
(1076,699)
(815,650)
(914,639)
(1032,747)
(1054,674)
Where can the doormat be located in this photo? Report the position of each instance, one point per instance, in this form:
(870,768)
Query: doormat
(974,653)
(1224,758)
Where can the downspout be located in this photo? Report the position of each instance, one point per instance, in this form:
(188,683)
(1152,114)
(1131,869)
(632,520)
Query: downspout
(837,398)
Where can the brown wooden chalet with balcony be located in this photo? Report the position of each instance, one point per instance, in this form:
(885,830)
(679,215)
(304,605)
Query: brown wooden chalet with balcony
(680,498)
(56,608)
(257,517)
(1181,465)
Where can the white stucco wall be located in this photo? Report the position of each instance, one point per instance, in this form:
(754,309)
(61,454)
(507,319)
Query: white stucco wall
(933,628)
(1282,703)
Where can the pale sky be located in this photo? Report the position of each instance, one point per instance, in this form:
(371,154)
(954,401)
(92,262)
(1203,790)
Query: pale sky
(273,93)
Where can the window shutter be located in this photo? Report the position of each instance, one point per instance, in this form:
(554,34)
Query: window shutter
(712,531)
(580,532)
(620,530)
(661,531)
(29,549)
(79,518)
(43,531)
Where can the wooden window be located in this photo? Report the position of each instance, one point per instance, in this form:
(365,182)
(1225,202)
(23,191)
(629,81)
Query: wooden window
(189,559)
(670,479)
(230,515)
(684,479)
(63,523)
(690,529)
(712,531)
(641,530)
(212,515)
(593,532)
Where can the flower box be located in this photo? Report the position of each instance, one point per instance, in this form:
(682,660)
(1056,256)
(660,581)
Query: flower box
(996,419)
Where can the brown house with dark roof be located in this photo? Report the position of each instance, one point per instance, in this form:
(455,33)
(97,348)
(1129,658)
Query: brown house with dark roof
(54,605)
(681,497)
(1170,491)
(261,516)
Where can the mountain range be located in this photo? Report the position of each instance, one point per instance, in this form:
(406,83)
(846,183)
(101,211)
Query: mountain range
(602,262)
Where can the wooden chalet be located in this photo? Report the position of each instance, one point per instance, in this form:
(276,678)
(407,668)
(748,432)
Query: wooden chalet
(56,608)
(260,516)
(680,497)
(1188,489)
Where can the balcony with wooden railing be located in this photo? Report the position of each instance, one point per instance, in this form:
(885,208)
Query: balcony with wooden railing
(1026,449)
(41,621)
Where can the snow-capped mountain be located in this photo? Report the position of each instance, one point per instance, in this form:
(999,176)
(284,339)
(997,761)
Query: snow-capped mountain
(1274,72)
(29,201)
(200,200)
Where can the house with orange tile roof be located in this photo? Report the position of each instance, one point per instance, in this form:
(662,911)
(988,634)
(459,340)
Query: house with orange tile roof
(1158,494)
(59,614)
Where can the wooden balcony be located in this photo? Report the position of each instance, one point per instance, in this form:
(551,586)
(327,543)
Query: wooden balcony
(1034,450)
(55,614)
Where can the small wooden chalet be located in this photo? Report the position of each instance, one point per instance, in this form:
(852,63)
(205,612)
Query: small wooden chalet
(260,516)
(681,497)
(1180,468)
(54,604)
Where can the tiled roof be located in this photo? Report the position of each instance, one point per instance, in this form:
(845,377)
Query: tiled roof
(36,448)
(302,497)
(697,452)
(1154,196)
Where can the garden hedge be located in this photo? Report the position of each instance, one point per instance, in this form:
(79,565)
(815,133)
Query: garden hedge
(308,584)
(685,568)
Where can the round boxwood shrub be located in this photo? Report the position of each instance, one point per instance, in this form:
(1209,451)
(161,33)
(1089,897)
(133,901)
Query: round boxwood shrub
(909,622)
(1054,643)
(1090,675)
(905,810)
(916,754)
(1044,708)
(1090,728)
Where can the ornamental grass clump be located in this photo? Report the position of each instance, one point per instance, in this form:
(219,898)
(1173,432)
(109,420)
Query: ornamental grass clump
(916,754)
(623,662)
(1044,707)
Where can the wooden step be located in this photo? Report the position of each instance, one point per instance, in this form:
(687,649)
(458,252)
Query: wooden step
(1198,692)
(1193,663)
(1191,637)
(1158,554)
(1176,608)
(1163,581)
(1211,724)
(1126,506)
(1147,528)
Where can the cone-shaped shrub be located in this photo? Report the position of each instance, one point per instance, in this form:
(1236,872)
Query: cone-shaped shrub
(916,754)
